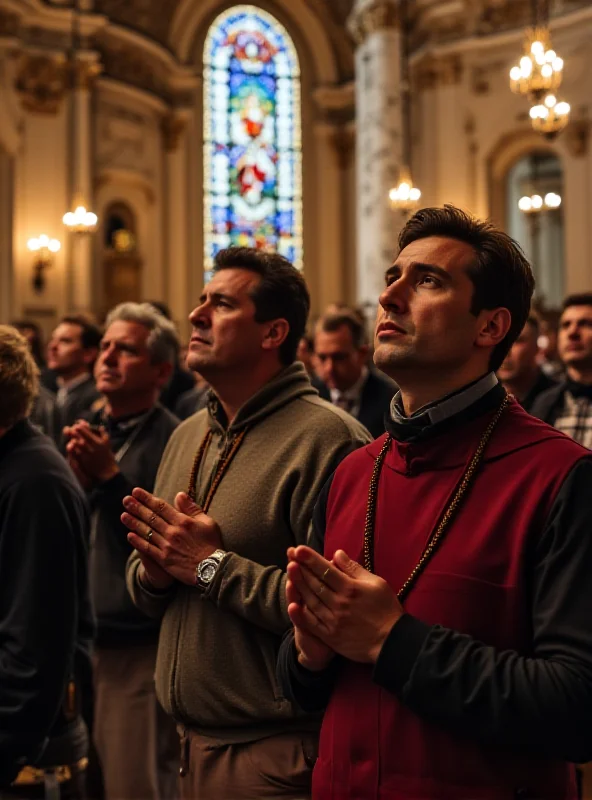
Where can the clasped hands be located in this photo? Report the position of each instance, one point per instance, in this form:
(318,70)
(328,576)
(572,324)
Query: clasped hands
(89,454)
(170,540)
(337,607)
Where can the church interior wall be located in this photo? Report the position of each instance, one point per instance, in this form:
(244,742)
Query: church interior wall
(146,146)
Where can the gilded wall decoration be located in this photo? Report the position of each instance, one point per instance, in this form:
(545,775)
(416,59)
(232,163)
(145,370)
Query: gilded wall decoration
(41,83)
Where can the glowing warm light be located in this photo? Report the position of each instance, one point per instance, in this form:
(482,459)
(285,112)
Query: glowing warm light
(405,196)
(80,220)
(43,242)
(539,69)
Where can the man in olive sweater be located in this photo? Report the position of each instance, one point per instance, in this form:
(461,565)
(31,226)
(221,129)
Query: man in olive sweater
(236,486)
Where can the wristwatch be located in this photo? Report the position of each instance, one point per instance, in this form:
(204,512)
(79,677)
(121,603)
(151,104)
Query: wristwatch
(207,568)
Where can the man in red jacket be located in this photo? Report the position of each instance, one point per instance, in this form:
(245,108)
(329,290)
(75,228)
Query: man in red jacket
(447,629)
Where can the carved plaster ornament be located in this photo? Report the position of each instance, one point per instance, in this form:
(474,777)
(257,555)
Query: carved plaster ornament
(41,83)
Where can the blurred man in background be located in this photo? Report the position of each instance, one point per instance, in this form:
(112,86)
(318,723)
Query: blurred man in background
(520,373)
(341,362)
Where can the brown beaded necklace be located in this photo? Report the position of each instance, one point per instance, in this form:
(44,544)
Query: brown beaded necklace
(453,506)
(222,467)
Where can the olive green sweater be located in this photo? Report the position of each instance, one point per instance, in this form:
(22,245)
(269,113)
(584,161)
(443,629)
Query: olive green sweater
(215,670)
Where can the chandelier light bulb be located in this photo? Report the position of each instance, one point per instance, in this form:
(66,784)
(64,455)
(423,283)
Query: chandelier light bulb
(547,71)
(552,200)
(557,64)
(43,240)
(33,244)
(562,108)
(525,203)
(54,245)
(550,100)
(537,201)
(405,196)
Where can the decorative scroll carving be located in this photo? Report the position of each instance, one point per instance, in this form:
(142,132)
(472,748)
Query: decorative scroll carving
(577,136)
(375,16)
(431,72)
(172,127)
(41,83)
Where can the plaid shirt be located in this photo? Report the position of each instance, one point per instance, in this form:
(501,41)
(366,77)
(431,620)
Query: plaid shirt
(575,419)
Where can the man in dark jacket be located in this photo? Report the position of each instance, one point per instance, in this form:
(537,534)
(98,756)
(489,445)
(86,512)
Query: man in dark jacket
(568,406)
(113,451)
(45,622)
(520,374)
(341,361)
(71,353)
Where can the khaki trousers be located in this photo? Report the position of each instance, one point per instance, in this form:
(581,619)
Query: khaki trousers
(276,767)
(136,742)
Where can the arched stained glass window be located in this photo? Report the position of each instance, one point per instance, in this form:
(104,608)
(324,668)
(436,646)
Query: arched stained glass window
(252,136)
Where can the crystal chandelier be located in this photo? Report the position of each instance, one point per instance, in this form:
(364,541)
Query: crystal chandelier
(539,74)
(540,69)
(405,196)
(550,117)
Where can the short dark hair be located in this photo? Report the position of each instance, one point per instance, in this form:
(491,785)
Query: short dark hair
(36,344)
(501,274)
(330,323)
(582,299)
(90,334)
(534,323)
(280,294)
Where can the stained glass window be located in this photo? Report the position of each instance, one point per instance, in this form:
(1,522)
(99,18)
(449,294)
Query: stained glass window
(252,136)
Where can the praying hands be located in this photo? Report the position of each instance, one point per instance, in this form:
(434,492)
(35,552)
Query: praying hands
(171,541)
(337,607)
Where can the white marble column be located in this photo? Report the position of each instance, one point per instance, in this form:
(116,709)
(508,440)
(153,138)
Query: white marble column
(178,289)
(375,27)
(81,274)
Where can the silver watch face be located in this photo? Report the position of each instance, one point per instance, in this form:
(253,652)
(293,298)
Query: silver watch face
(207,570)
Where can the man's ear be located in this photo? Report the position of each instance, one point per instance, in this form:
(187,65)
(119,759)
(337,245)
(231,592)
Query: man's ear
(275,334)
(495,326)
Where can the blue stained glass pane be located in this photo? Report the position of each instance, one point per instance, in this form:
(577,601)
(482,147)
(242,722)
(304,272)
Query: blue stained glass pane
(252,135)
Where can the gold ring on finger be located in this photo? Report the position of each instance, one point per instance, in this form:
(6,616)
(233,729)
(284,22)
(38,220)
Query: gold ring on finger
(321,589)
(325,573)
(149,535)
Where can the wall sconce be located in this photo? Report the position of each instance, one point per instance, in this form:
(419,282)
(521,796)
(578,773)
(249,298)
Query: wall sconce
(44,248)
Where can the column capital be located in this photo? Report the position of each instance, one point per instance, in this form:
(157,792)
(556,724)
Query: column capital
(41,82)
(173,127)
(370,16)
(433,71)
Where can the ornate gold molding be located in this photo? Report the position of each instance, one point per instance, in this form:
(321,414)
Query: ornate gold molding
(85,72)
(375,16)
(431,71)
(343,144)
(41,83)
(577,136)
(172,127)
(9,23)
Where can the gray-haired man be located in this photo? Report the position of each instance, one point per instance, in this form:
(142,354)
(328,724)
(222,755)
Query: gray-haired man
(114,450)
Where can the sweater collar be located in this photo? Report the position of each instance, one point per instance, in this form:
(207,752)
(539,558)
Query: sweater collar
(291,383)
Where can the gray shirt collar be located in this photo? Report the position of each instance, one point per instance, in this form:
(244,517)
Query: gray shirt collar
(447,406)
